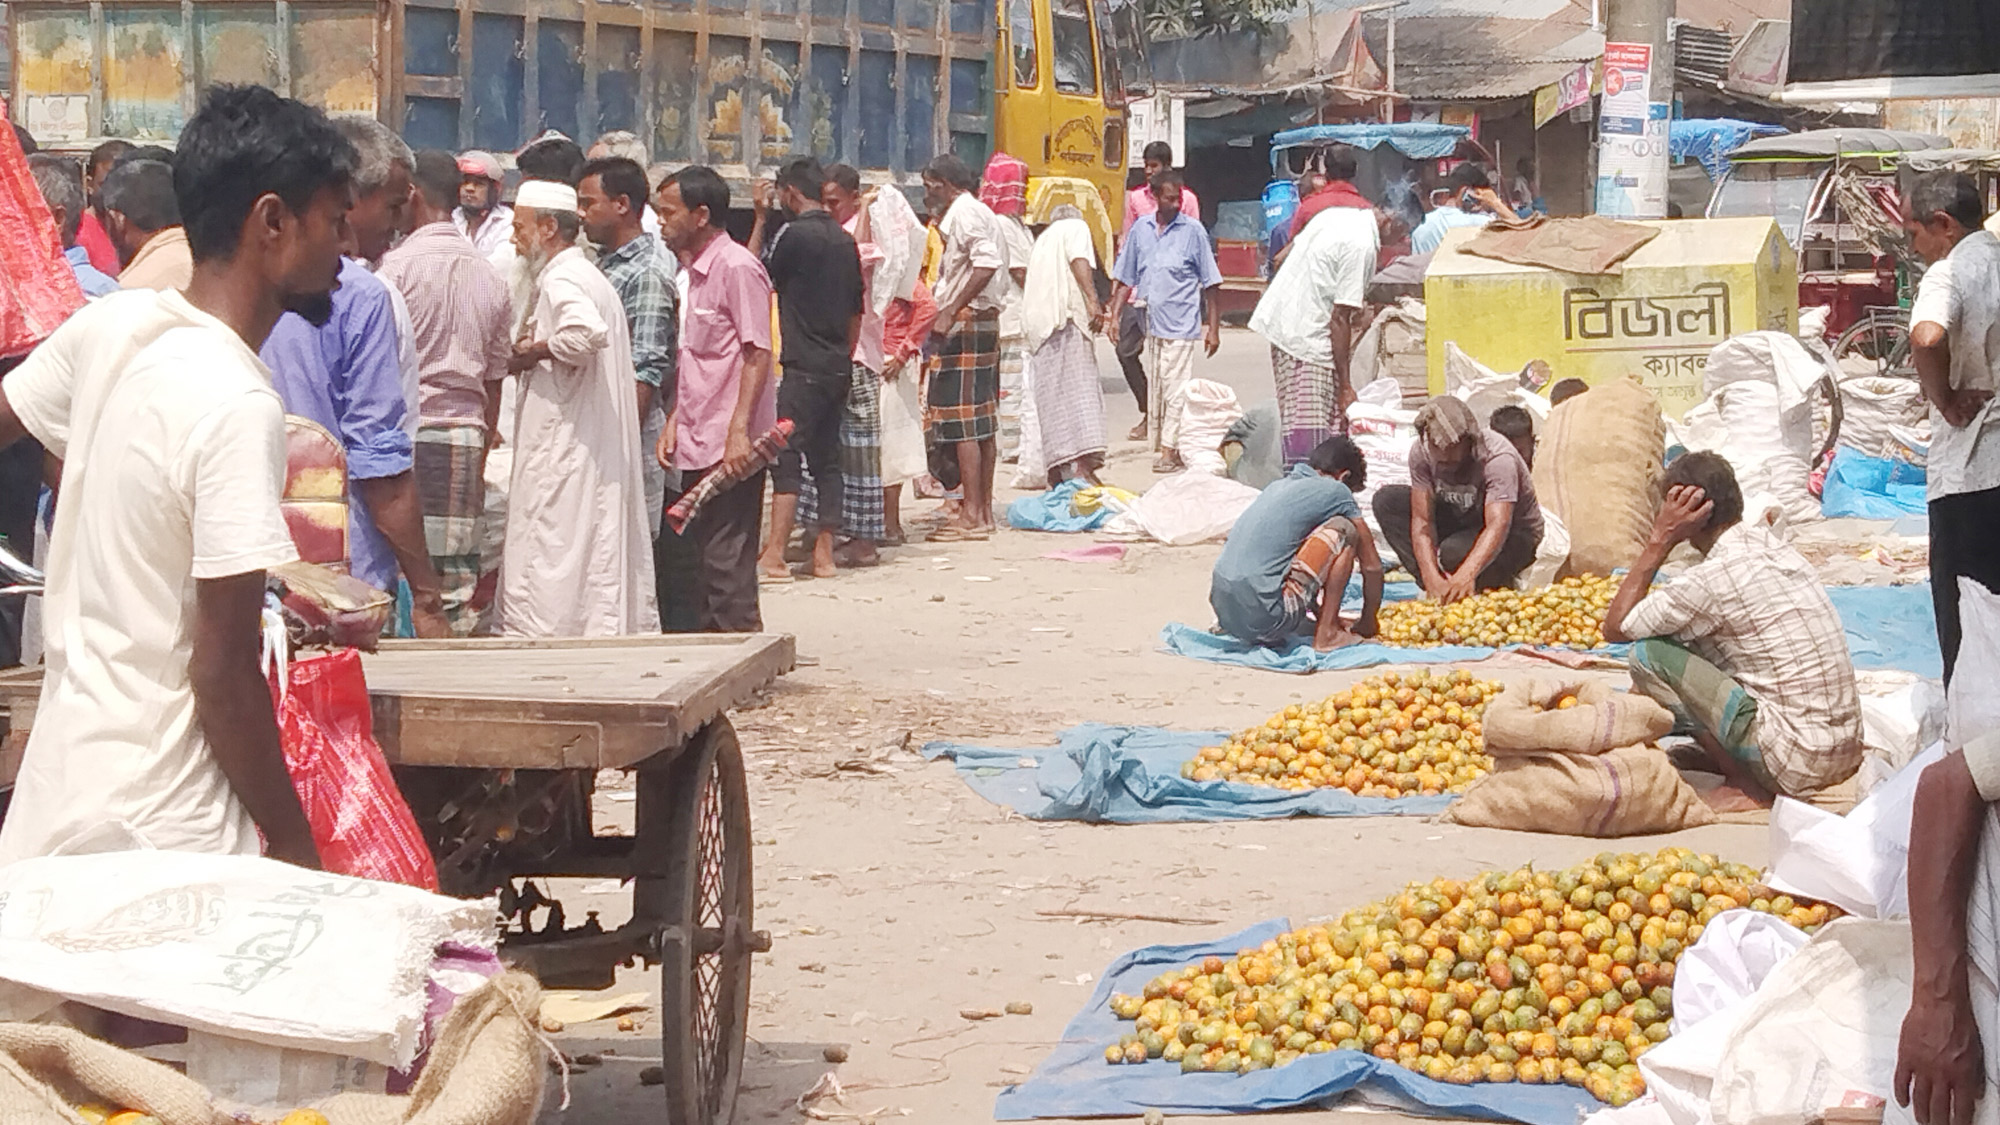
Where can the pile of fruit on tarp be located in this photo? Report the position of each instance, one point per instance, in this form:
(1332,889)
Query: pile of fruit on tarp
(1388,736)
(1524,976)
(1569,614)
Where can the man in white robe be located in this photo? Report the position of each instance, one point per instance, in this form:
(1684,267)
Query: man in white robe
(578,560)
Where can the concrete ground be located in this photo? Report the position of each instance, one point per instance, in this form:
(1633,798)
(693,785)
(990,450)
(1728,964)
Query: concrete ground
(896,897)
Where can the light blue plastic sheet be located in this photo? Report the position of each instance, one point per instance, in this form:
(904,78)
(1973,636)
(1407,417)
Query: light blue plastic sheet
(1872,488)
(1108,774)
(1890,627)
(1050,510)
(1300,657)
(1886,626)
(1075,1081)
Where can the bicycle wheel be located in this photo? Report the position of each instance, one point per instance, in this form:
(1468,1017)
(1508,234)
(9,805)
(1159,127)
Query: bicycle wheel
(1878,344)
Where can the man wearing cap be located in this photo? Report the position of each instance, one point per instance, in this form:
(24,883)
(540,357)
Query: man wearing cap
(481,216)
(1468,520)
(578,560)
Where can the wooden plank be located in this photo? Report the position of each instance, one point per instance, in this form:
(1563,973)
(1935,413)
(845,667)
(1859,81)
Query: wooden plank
(603,703)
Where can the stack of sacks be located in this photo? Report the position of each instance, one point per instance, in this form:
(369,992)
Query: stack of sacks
(1578,759)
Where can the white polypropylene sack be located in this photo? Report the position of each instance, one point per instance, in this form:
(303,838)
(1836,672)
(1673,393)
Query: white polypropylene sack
(1550,555)
(1875,410)
(234,945)
(1765,357)
(1184,509)
(1858,862)
(1972,706)
(1384,434)
(1486,390)
(1824,1023)
(1768,449)
(1813,320)
(1208,410)
(1713,981)
(1901,713)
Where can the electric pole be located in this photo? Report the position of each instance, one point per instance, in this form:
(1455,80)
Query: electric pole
(1632,116)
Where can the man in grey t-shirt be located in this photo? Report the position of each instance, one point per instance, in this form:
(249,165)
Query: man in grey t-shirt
(1468,519)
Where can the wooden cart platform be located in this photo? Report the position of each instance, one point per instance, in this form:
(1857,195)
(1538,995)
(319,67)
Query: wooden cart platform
(602,703)
(496,744)
(508,703)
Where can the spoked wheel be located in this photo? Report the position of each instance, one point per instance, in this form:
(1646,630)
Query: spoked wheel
(706,940)
(1877,344)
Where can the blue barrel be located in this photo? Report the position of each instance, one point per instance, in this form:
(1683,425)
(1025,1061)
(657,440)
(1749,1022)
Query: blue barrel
(1281,202)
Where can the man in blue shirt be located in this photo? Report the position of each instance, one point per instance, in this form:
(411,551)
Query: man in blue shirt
(62,189)
(1168,266)
(1287,561)
(348,377)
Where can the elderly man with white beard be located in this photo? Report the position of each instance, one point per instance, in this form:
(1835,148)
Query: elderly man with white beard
(578,557)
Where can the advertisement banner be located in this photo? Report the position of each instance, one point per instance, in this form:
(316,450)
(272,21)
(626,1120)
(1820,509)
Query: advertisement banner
(1562,95)
(1632,170)
(1627,88)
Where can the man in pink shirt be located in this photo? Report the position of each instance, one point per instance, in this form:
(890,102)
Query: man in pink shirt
(708,572)
(1139,204)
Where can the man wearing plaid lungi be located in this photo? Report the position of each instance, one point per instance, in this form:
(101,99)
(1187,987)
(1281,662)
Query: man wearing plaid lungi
(461,317)
(963,405)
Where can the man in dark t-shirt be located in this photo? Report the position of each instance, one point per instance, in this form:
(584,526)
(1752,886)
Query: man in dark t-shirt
(1468,520)
(816,270)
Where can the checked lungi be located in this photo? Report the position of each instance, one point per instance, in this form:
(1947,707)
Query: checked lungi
(449,460)
(964,397)
(861,515)
(1701,697)
(1068,399)
(1308,405)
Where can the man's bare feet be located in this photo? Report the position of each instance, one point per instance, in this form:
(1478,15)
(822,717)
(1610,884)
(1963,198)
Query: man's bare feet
(855,553)
(1340,639)
(1729,799)
(1138,432)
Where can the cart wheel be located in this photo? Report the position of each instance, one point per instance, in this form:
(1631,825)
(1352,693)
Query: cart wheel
(706,941)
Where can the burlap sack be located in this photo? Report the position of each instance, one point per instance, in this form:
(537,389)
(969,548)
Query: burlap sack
(1598,467)
(1602,719)
(485,1069)
(1630,791)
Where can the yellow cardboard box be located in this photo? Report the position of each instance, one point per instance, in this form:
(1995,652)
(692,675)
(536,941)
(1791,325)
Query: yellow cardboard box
(1697,284)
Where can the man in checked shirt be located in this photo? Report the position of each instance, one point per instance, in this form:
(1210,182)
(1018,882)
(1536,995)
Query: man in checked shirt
(1744,647)
(612,196)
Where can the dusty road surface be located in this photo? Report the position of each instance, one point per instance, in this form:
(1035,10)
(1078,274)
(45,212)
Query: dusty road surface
(896,897)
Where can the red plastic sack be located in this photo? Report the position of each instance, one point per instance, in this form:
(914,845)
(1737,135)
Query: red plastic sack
(359,819)
(38,290)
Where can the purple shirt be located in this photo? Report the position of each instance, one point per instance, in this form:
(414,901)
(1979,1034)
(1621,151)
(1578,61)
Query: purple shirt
(728,307)
(346,376)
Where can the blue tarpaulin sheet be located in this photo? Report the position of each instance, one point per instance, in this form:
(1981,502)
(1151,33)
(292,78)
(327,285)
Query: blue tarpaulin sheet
(1890,627)
(1887,627)
(1416,140)
(1108,774)
(1873,488)
(1075,1081)
(1300,657)
(1051,510)
(1711,139)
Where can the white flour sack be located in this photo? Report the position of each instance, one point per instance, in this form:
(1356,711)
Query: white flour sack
(235,945)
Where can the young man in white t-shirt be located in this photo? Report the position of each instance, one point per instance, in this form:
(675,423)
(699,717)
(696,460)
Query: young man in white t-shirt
(1955,341)
(155,726)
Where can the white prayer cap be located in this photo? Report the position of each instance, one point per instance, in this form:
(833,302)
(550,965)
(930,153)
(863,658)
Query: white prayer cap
(546,195)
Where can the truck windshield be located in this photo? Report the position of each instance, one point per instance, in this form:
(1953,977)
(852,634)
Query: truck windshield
(1075,58)
(1781,189)
(1021,33)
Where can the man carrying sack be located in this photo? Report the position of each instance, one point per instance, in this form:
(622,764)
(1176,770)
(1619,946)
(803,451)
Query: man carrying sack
(1744,648)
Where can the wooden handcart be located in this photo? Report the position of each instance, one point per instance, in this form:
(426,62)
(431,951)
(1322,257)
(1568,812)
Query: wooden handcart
(497,743)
